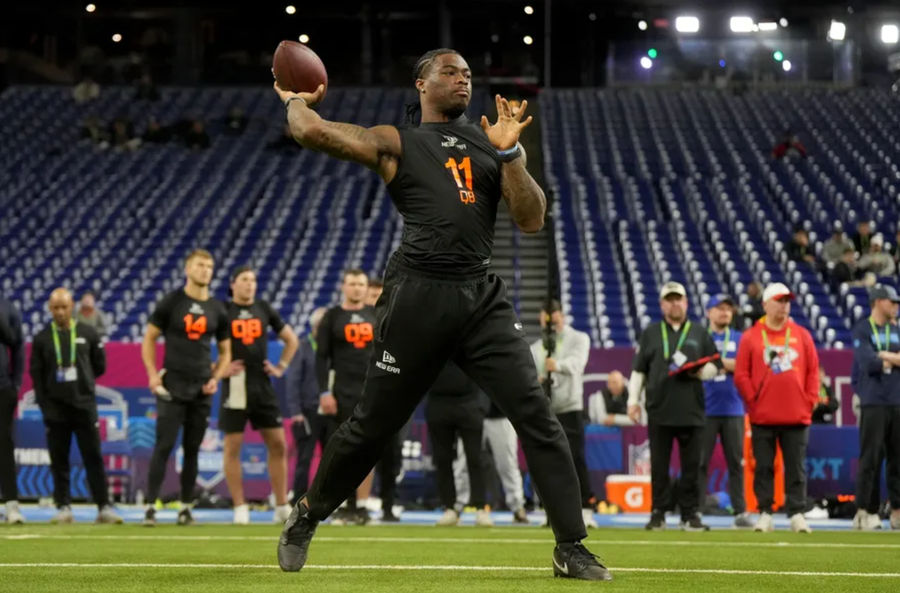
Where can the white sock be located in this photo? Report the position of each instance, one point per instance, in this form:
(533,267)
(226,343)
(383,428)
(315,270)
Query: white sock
(241,506)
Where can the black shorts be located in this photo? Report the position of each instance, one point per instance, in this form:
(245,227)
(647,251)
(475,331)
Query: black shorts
(262,410)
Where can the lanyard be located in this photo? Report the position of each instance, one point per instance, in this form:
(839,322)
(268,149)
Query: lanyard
(787,341)
(727,340)
(887,335)
(312,342)
(59,361)
(665,338)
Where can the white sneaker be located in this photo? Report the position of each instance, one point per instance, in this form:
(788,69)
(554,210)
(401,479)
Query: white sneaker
(588,516)
(483,518)
(798,524)
(63,516)
(872,522)
(241,515)
(109,516)
(449,518)
(282,512)
(13,515)
(859,519)
(764,523)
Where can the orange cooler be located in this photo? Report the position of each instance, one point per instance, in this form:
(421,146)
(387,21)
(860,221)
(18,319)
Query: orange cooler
(631,493)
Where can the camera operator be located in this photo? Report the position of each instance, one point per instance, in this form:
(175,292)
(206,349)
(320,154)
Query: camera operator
(560,357)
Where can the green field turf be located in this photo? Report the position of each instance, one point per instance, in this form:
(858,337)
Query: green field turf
(201,558)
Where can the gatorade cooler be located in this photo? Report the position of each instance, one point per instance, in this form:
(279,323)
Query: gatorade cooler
(631,493)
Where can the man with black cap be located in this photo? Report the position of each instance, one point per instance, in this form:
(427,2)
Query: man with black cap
(724,408)
(876,361)
(66,358)
(673,359)
(248,393)
(777,375)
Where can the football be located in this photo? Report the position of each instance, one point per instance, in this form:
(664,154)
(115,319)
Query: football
(297,68)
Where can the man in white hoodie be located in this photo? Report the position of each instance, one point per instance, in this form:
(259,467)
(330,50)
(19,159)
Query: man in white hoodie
(564,366)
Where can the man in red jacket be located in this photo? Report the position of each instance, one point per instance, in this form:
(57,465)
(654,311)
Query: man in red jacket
(777,375)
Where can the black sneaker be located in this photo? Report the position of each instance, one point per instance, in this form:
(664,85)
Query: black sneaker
(574,561)
(693,523)
(185,517)
(150,518)
(389,517)
(293,545)
(657,521)
(361,516)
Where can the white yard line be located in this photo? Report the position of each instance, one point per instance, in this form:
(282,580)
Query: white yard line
(454,568)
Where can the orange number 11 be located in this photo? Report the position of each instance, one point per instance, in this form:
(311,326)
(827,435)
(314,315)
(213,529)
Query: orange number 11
(466,195)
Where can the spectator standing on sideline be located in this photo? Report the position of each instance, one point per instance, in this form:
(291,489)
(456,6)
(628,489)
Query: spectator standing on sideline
(566,372)
(724,409)
(876,361)
(66,358)
(675,403)
(777,375)
(302,394)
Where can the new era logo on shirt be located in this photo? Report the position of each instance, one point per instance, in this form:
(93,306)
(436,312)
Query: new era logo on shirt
(196,309)
(387,363)
(386,357)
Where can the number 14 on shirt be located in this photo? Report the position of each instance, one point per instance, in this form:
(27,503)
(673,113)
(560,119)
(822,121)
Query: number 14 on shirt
(466,194)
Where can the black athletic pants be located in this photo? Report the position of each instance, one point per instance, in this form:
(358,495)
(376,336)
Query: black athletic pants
(8,487)
(59,441)
(421,323)
(388,468)
(573,426)
(189,409)
(443,449)
(730,429)
(320,430)
(879,437)
(690,441)
(793,441)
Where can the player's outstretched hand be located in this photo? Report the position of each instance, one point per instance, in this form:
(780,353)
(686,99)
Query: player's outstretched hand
(312,99)
(505,132)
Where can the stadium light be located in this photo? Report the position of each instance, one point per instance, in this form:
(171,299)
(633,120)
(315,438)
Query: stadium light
(783,22)
(687,24)
(741,24)
(529,9)
(768,26)
(90,7)
(646,63)
(652,53)
(117,37)
(890,34)
(290,9)
(642,25)
(837,31)
(527,40)
(304,38)
(778,55)
(786,65)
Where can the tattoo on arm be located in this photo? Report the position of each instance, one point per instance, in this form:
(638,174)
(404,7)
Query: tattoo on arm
(523,196)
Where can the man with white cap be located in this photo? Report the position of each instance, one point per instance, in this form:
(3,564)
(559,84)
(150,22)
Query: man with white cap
(777,375)
(876,354)
(670,362)
(877,260)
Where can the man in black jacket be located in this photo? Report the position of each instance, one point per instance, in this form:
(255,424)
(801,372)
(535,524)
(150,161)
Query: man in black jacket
(12,367)
(66,357)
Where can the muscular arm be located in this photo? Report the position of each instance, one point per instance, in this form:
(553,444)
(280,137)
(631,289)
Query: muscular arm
(291,343)
(378,148)
(523,196)
(220,370)
(148,350)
